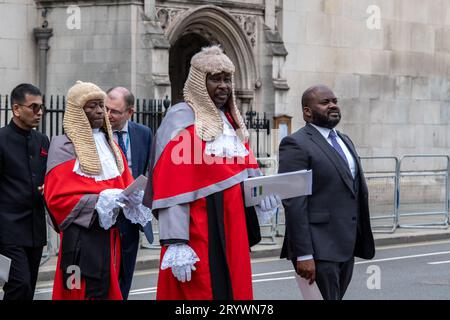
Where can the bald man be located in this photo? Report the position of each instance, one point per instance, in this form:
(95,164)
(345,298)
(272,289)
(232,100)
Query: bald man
(326,230)
(135,142)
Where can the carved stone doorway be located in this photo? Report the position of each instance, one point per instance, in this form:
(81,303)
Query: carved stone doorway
(206,25)
(179,61)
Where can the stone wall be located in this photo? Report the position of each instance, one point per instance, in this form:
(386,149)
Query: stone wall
(99,51)
(393,82)
(17,57)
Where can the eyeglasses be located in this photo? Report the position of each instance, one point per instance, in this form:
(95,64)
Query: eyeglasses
(114,112)
(35,107)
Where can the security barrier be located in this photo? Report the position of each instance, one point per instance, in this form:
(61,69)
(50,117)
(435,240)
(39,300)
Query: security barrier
(381,175)
(423,191)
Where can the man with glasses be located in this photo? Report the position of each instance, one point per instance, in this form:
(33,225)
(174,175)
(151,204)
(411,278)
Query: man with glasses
(135,141)
(23,158)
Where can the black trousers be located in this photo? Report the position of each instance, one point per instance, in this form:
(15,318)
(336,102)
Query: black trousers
(333,278)
(129,242)
(23,273)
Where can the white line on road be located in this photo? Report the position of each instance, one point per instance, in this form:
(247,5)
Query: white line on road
(404,257)
(269,273)
(132,293)
(439,262)
(273,279)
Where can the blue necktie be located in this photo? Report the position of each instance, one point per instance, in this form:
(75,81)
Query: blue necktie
(121,142)
(337,146)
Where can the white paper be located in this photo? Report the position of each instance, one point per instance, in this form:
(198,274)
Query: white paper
(286,185)
(5,265)
(138,184)
(309,292)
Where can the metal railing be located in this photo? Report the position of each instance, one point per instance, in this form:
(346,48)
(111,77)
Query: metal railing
(433,185)
(382,182)
(148,112)
(269,230)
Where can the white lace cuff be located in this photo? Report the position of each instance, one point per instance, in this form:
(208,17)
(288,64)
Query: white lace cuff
(179,255)
(133,209)
(107,207)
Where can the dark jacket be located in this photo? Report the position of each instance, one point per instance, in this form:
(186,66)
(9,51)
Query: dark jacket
(23,158)
(140,140)
(333,223)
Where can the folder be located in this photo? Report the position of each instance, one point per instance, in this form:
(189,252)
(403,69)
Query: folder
(5,265)
(309,291)
(286,185)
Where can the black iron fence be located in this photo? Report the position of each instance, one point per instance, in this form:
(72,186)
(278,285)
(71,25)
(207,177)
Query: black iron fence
(148,112)
(259,128)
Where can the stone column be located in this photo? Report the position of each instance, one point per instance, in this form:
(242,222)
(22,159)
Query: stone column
(269,14)
(150,9)
(42,35)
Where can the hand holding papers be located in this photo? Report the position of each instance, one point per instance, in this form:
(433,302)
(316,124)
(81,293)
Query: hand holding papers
(5,265)
(137,185)
(133,208)
(286,185)
(130,200)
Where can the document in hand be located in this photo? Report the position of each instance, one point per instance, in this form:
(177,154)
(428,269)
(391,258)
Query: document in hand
(286,185)
(138,184)
(309,291)
(5,264)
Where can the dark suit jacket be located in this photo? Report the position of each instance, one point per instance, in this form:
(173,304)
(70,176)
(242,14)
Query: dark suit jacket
(332,223)
(23,159)
(140,141)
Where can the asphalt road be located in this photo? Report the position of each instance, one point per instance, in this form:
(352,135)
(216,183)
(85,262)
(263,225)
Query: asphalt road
(416,271)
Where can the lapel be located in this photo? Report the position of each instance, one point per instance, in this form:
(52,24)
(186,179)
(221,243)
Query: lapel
(134,148)
(332,155)
(352,151)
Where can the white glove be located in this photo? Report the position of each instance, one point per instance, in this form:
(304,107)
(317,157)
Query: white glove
(107,207)
(183,273)
(267,208)
(133,209)
(181,258)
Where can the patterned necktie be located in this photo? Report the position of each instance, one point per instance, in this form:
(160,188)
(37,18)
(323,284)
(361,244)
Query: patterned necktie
(121,143)
(336,145)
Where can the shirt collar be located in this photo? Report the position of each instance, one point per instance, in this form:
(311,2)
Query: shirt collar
(19,130)
(325,132)
(124,129)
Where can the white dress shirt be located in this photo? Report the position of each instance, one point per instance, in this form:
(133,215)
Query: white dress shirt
(126,141)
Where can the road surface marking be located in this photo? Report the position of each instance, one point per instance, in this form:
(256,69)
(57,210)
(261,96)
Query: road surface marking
(439,262)
(404,257)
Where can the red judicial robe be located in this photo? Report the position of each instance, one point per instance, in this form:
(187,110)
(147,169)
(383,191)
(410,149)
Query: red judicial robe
(203,184)
(69,196)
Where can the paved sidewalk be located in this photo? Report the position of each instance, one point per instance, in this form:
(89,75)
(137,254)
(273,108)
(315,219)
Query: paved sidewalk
(148,258)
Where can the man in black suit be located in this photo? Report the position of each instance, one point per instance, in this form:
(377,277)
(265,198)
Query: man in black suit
(326,230)
(135,141)
(23,159)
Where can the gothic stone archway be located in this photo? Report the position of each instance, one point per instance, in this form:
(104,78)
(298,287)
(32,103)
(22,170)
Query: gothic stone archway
(210,25)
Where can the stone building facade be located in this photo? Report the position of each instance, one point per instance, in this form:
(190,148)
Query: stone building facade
(387,60)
